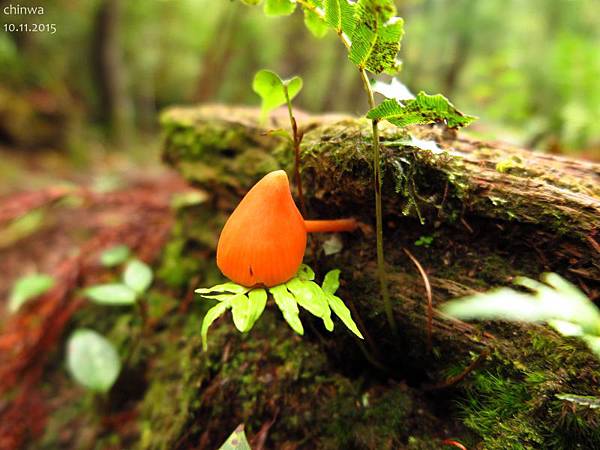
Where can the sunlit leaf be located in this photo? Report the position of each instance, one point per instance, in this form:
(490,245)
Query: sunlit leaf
(240,310)
(331,282)
(211,315)
(424,109)
(111,294)
(339,14)
(270,87)
(225,287)
(237,440)
(309,295)
(258,301)
(376,37)
(286,302)
(342,311)
(251,2)
(279,7)
(305,273)
(92,360)
(137,276)
(315,24)
(557,302)
(28,287)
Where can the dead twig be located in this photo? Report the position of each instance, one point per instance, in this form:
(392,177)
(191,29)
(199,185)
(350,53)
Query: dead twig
(429,297)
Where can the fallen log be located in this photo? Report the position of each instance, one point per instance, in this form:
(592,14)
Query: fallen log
(475,215)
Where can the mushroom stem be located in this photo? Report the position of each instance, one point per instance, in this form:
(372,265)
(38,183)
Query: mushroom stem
(330,226)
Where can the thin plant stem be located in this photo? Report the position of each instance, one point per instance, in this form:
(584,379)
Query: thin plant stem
(297,139)
(381,272)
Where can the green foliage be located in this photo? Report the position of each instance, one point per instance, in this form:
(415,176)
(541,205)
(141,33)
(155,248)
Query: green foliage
(272,90)
(111,294)
(237,440)
(315,23)
(279,7)
(339,14)
(92,360)
(114,256)
(424,109)
(137,276)
(557,302)
(247,304)
(424,241)
(27,288)
(375,40)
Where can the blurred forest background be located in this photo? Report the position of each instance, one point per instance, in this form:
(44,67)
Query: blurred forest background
(529,69)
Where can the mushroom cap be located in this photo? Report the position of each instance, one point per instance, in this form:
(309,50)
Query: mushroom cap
(264,239)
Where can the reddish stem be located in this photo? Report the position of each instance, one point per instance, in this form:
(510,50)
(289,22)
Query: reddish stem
(330,226)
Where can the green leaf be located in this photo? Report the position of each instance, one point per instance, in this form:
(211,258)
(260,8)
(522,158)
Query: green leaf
(305,273)
(258,302)
(225,287)
(240,309)
(92,360)
(270,87)
(424,109)
(251,2)
(376,37)
(114,255)
(331,282)
(557,300)
(339,14)
(342,311)
(288,306)
(279,7)
(309,295)
(111,294)
(211,315)
(28,287)
(315,24)
(137,276)
(237,440)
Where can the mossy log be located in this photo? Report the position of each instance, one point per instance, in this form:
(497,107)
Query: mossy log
(475,214)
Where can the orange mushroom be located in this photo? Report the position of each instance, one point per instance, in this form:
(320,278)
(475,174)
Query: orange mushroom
(264,239)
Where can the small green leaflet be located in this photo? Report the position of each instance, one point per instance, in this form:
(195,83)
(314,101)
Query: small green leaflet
(286,303)
(212,314)
(310,296)
(114,255)
(137,276)
(556,301)
(247,305)
(111,294)
(237,440)
(279,7)
(376,37)
(92,360)
(271,89)
(28,287)
(339,14)
(423,109)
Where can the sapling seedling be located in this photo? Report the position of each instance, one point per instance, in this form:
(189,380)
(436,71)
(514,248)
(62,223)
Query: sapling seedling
(372,33)
(260,250)
(274,92)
